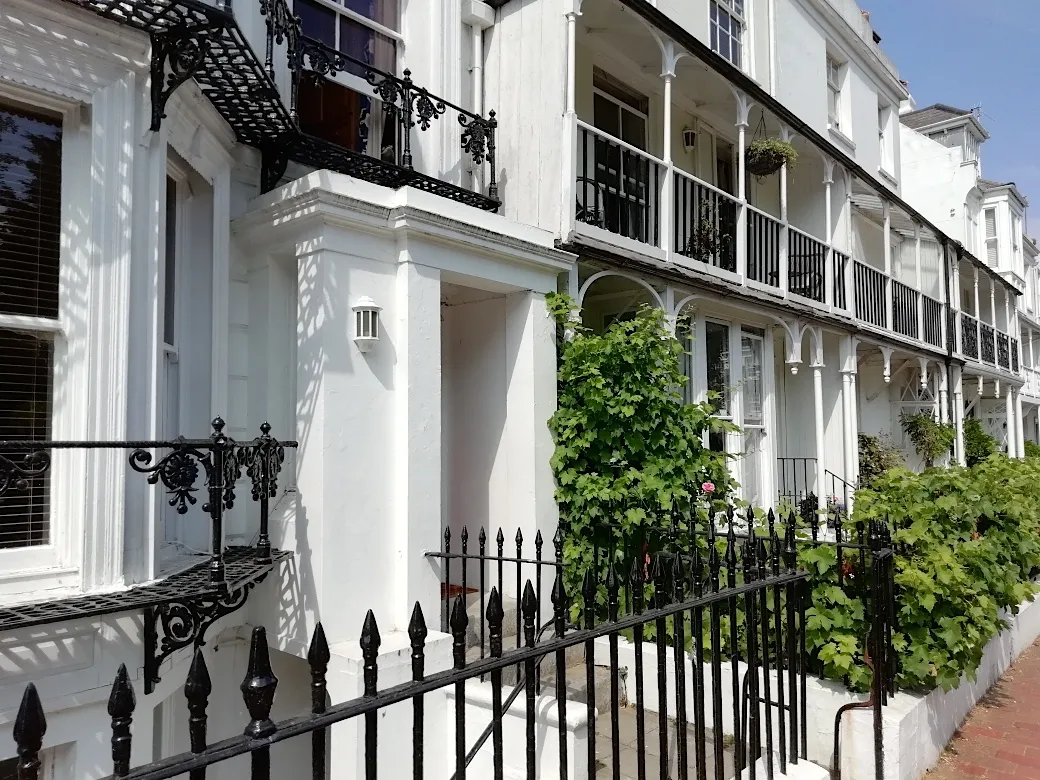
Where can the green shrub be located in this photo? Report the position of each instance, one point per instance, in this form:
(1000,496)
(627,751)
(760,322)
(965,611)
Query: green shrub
(1032,449)
(978,445)
(877,455)
(931,438)
(967,542)
(629,453)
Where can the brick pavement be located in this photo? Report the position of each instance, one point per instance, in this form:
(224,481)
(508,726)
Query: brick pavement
(1001,737)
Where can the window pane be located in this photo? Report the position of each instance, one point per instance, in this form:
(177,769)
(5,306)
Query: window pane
(26,364)
(365,44)
(633,129)
(717,339)
(606,115)
(30,212)
(318,22)
(385,12)
(752,354)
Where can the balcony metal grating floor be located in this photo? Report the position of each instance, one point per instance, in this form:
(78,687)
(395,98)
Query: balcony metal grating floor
(241,569)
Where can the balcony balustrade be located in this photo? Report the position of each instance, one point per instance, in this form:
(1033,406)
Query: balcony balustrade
(969,336)
(987,343)
(625,191)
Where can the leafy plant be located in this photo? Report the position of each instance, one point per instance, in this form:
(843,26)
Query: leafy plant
(766,156)
(931,438)
(978,445)
(708,243)
(1032,449)
(967,542)
(629,453)
(877,455)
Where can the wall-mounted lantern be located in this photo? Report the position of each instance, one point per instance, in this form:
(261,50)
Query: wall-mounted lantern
(689,139)
(366,323)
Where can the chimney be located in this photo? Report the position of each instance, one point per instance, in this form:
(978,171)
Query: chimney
(866,15)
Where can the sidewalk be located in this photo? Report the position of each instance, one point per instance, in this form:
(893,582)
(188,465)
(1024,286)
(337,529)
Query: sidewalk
(1001,737)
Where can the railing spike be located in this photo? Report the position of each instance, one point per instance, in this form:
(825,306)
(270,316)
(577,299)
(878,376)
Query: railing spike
(259,686)
(501,538)
(458,623)
(482,537)
(318,654)
(529,607)
(29,727)
(121,705)
(197,689)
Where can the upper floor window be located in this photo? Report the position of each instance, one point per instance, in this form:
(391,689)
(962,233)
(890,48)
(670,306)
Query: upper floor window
(727,23)
(834,83)
(344,110)
(992,245)
(30,238)
(886,141)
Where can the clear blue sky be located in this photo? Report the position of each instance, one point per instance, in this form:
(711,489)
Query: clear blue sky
(970,52)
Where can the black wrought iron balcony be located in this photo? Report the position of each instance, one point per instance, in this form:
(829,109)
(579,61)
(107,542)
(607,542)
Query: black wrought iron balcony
(969,336)
(368,134)
(986,343)
(177,609)
(1014,355)
(1003,354)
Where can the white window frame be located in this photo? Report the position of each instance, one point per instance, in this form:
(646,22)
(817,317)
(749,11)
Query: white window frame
(60,556)
(991,240)
(350,80)
(886,145)
(730,9)
(836,71)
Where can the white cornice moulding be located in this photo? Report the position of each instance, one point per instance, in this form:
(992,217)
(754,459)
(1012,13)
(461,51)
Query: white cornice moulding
(477,14)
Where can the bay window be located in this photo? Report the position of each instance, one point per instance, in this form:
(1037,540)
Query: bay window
(30,239)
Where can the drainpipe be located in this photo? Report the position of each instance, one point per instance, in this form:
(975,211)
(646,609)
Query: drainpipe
(479,16)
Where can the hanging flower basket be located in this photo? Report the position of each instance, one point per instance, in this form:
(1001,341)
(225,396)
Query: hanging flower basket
(768,155)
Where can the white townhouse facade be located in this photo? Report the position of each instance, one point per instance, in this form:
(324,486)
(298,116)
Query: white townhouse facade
(209,212)
(943,148)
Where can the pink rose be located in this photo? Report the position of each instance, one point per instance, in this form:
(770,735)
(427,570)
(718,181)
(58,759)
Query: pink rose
(708,487)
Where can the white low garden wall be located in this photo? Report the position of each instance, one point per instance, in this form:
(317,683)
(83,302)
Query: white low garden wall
(514,735)
(916,728)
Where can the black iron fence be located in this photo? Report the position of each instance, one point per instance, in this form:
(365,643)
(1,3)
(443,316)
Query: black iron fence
(796,480)
(184,467)
(732,700)
(1003,353)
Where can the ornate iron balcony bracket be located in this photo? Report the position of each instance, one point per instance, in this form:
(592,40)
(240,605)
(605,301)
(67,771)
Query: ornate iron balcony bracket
(177,624)
(274,159)
(184,49)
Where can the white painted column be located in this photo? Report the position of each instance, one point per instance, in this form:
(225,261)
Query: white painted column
(821,457)
(785,135)
(958,412)
(569,144)
(918,281)
(1009,405)
(743,109)
(887,208)
(855,425)
(850,271)
(1019,424)
(667,214)
(975,279)
(944,396)
(530,401)
(221,291)
(828,273)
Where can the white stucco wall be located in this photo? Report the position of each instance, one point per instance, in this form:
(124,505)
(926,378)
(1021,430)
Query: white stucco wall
(935,182)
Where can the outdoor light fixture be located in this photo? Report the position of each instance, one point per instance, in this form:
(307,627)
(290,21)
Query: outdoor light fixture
(689,139)
(366,323)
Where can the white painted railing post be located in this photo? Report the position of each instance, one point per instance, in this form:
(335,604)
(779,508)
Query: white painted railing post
(887,208)
(829,276)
